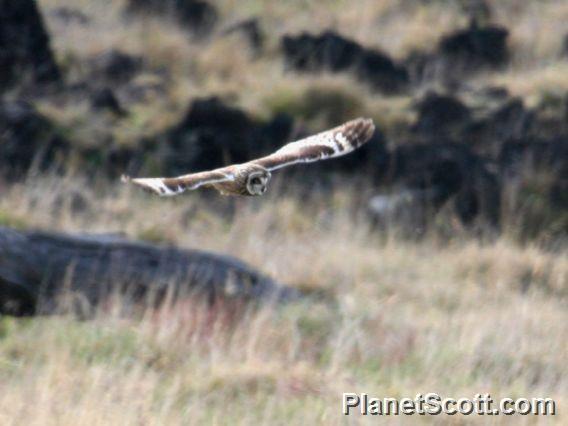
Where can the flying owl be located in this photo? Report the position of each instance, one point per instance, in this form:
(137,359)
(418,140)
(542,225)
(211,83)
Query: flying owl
(252,178)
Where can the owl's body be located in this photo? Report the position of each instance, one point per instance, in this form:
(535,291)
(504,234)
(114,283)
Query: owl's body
(252,178)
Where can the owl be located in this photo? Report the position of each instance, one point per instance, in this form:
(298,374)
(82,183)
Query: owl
(252,178)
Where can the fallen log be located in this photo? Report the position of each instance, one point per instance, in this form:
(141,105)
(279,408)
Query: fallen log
(37,268)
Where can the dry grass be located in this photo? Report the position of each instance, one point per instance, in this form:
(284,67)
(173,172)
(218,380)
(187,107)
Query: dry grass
(391,318)
(534,83)
(388,317)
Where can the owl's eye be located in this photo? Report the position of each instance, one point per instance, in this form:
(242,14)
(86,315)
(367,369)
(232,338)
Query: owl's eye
(256,181)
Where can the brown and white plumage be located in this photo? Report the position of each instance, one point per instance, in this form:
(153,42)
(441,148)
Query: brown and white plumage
(332,143)
(252,178)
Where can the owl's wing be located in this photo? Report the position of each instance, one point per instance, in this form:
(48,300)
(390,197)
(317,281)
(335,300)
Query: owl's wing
(176,185)
(332,143)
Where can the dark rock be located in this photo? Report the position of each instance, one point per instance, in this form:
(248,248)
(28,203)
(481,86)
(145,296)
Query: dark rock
(69,15)
(104,99)
(38,268)
(332,52)
(116,66)
(459,55)
(445,172)
(550,155)
(477,47)
(122,160)
(113,160)
(25,53)
(328,51)
(536,171)
(558,194)
(425,166)
(381,73)
(439,113)
(252,31)
(564,49)
(509,120)
(198,17)
(493,119)
(494,93)
(425,68)
(213,134)
(273,134)
(16,300)
(27,138)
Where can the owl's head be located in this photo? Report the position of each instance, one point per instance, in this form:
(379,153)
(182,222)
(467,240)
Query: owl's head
(257,181)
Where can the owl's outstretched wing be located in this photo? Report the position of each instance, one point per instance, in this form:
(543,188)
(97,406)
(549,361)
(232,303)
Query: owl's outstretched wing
(176,185)
(332,143)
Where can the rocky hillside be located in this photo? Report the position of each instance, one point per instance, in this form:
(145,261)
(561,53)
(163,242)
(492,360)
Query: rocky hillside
(470,97)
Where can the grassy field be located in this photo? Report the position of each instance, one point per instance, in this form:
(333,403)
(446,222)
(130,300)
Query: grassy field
(387,316)
(451,313)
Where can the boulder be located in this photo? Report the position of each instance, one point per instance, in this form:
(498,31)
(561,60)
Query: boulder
(550,155)
(196,16)
(26,138)
(490,119)
(37,269)
(251,30)
(213,134)
(536,171)
(332,52)
(104,99)
(504,121)
(438,114)
(476,47)
(381,73)
(25,52)
(69,15)
(115,66)
(438,173)
(459,55)
(327,51)
(564,48)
